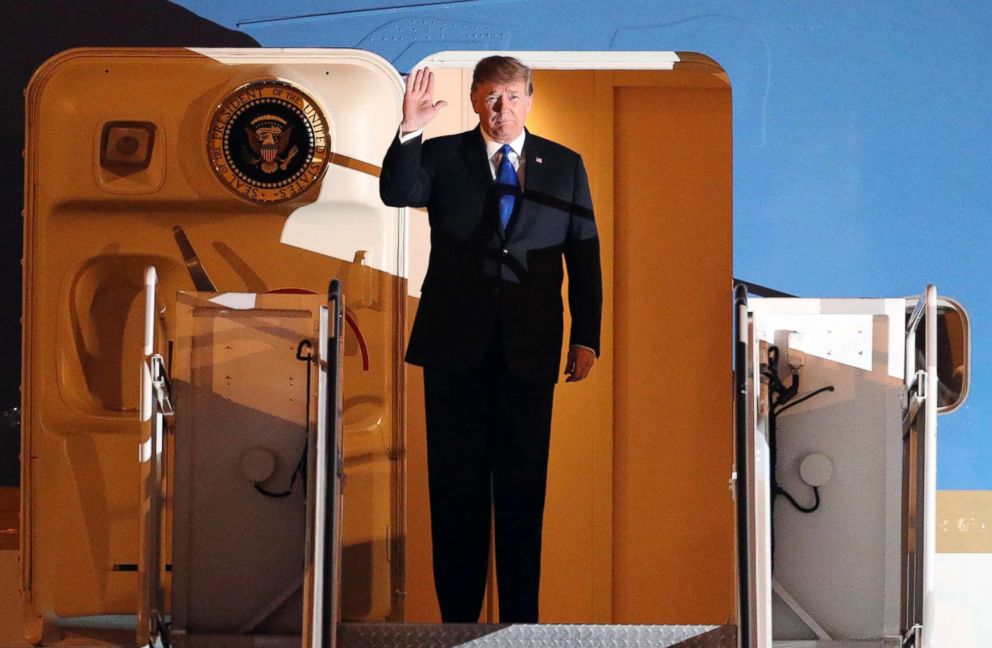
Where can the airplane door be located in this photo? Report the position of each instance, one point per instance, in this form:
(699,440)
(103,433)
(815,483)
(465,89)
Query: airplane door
(164,141)
(919,473)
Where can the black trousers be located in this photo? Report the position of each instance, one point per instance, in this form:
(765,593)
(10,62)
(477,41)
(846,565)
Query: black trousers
(488,434)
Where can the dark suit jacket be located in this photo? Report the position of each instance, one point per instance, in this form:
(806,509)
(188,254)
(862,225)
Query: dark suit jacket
(481,279)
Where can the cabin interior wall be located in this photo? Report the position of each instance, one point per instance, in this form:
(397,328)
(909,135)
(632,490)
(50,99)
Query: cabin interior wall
(673,524)
(638,520)
(575,108)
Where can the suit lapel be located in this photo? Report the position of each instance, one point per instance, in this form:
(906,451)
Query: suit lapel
(473,151)
(534,170)
(534,179)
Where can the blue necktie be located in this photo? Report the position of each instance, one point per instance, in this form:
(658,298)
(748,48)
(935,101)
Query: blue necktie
(509,185)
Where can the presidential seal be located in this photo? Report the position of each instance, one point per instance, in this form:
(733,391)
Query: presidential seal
(268,142)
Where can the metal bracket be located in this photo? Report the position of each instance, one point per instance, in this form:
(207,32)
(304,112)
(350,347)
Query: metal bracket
(800,611)
(913,635)
(161,386)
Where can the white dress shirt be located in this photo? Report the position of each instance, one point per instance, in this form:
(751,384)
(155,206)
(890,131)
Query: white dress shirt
(517,146)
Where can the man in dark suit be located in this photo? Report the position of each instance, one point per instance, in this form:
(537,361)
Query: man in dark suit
(505,206)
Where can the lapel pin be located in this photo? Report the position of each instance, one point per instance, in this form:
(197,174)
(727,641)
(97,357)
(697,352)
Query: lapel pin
(539,160)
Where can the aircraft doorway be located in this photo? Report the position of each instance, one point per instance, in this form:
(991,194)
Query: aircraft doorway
(639,520)
(639,524)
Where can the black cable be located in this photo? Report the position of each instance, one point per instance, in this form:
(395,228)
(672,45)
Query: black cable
(268,493)
(800,507)
(301,466)
(780,399)
(804,398)
(816,491)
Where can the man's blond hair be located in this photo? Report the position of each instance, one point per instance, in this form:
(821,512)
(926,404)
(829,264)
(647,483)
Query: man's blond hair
(501,69)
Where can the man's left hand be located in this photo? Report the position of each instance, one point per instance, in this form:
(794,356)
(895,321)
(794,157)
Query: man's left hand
(579,363)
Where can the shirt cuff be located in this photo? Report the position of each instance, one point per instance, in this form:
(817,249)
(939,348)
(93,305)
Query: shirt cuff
(409,136)
(582,346)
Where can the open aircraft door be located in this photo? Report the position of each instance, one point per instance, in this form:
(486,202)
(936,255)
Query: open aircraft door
(145,169)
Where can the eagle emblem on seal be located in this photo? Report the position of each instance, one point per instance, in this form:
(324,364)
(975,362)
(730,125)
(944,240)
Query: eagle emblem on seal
(268,139)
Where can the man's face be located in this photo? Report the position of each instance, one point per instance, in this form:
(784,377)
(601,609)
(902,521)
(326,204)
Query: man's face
(502,108)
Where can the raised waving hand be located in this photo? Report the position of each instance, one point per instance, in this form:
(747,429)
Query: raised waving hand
(419,107)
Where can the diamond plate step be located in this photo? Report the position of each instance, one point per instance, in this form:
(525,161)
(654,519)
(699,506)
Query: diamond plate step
(415,635)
